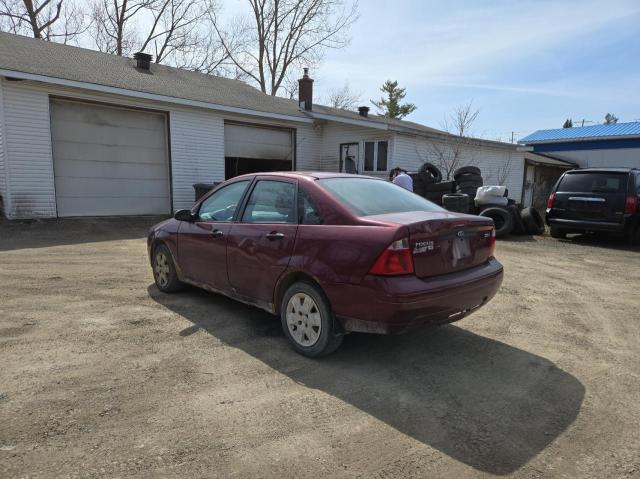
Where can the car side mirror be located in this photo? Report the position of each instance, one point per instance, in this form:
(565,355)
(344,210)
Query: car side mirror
(184,215)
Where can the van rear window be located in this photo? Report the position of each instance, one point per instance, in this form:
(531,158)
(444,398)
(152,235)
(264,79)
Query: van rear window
(591,182)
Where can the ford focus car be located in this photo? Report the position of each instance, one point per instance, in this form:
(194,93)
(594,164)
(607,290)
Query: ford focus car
(330,254)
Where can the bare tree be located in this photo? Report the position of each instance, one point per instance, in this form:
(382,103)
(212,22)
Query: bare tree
(454,150)
(344,98)
(177,32)
(502,172)
(114,24)
(54,20)
(285,34)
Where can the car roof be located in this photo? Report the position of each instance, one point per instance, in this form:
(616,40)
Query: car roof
(603,170)
(312,175)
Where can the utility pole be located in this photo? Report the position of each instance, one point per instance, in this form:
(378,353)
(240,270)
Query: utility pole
(512,134)
(585,121)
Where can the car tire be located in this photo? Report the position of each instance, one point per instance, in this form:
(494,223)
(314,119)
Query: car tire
(518,225)
(164,270)
(443,187)
(308,321)
(469,181)
(502,220)
(432,170)
(632,234)
(468,191)
(557,233)
(456,202)
(533,222)
(466,170)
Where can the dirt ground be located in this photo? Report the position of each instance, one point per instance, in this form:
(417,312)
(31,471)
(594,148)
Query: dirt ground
(103,376)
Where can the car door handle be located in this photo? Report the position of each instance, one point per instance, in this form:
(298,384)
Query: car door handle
(217,233)
(274,235)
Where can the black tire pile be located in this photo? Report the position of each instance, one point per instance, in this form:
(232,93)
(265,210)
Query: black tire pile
(510,220)
(459,196)
(427,182)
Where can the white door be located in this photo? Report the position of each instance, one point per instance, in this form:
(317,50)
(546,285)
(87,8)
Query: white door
(530,174)
(108,160)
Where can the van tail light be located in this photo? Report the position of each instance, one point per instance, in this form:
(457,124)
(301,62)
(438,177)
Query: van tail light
(395,260)
(631,205)
(492,243)
(552,198)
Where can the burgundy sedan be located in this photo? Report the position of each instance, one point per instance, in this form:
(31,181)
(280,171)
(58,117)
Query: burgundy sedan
(329,253)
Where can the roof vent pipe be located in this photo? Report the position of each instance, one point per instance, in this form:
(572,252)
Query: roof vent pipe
(363,111)
(305,91)
(143,60)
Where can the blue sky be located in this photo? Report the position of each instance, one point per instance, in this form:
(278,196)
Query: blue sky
(526,65)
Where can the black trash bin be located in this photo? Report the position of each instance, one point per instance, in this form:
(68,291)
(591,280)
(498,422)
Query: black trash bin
(202,189)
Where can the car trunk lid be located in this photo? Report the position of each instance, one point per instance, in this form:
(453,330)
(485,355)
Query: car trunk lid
(444,242)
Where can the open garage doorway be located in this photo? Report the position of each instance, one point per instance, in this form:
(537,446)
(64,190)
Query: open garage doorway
(253,149)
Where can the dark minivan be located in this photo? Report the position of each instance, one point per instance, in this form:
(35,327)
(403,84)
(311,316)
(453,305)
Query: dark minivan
(596,200)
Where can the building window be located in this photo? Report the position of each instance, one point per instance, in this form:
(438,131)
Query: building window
(369,155)
(376,155)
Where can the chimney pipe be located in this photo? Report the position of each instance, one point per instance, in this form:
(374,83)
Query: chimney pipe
(143,60)
(363,111)
(305,91)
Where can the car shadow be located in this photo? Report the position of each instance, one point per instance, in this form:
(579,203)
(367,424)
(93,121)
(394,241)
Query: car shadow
(602,241)
(20,234)
(480,401)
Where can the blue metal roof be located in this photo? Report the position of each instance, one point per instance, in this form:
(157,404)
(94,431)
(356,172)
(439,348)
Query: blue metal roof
(584,133)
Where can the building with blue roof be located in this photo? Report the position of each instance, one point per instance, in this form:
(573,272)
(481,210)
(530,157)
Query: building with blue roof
(616,145)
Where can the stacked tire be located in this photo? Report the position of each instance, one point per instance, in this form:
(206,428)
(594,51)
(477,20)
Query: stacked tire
(436,191)
(427,182)
(510,220)
(468,179)
(458,202)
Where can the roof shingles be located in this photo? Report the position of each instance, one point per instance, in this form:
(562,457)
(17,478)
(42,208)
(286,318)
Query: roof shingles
(39,57)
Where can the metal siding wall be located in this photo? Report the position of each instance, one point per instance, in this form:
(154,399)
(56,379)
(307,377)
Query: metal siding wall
(28,148)
(411,152)
(197,153)
(335,134)
(627,157)
(308,144)
(3,177)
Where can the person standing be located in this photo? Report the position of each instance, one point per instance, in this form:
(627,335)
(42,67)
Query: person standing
(401,179)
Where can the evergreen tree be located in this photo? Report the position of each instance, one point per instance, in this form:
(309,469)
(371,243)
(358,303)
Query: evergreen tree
(390,106)
(568,123)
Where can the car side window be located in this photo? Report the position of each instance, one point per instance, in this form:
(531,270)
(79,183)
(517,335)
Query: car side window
(271,202)
(221,206)
(309,214)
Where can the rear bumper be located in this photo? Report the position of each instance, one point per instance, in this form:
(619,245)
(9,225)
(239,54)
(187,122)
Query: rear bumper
(578,226)
(394,305)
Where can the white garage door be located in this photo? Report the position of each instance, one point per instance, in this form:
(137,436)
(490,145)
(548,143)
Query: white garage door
(109,161)
(247,141)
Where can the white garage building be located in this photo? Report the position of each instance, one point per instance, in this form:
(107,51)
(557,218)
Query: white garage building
(84,133)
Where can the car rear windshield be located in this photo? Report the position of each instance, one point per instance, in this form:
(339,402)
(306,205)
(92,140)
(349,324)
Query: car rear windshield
(367,196)
(592,182)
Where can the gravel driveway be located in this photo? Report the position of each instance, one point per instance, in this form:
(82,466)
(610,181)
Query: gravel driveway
(103,376)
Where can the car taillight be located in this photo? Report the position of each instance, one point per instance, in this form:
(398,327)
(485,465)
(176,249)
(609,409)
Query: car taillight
(552,198)
(492,243)
(395,260)
(631,205)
